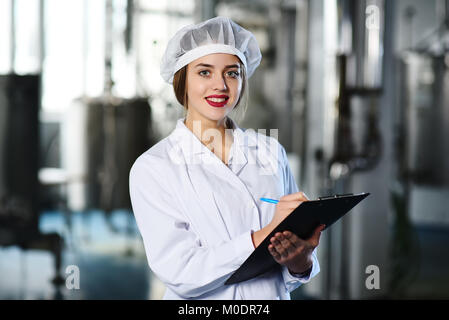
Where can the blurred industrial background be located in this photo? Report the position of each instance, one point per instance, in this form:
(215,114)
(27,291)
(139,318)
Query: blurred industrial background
(359,90)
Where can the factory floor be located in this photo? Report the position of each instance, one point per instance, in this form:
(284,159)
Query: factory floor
(108,252)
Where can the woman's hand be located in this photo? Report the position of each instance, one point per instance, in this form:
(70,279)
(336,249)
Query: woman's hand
(286,205)
(296,254)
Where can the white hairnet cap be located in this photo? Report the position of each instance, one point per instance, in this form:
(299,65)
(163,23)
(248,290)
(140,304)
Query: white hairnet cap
(216,35)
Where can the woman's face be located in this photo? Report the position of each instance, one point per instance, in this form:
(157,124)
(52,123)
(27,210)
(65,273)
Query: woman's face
(214,83)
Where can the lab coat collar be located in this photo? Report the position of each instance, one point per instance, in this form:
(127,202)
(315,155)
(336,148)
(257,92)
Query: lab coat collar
(190,144)
(196,152)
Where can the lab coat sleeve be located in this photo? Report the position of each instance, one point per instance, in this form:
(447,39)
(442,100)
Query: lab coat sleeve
(174,251)
(291,281)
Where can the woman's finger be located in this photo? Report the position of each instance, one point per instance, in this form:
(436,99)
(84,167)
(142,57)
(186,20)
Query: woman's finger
(294,239)
(285,242)
(273,252)
(298,196)
(279,247)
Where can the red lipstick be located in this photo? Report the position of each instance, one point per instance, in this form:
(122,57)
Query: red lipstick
(217,104)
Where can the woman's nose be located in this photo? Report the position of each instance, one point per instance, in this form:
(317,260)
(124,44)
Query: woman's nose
(220,83)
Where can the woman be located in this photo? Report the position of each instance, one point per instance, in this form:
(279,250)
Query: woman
(195,193)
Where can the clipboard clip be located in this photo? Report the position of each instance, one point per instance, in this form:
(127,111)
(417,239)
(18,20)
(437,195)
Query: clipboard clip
(335,196)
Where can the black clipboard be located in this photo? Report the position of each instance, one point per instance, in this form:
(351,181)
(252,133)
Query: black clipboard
(302,221)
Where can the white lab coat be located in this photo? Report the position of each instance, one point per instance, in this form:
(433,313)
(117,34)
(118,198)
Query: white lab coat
(196,214)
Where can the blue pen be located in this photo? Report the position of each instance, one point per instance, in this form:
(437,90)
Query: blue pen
(269,200)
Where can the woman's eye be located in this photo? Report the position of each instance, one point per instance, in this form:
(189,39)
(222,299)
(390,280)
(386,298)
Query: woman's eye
(234,74)
(204,73)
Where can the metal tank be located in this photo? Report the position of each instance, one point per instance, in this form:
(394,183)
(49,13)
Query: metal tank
(19,154)
(102,137)
(425,114)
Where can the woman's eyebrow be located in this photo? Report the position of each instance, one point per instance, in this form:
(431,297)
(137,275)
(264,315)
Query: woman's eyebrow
(232,66)
(211,66)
